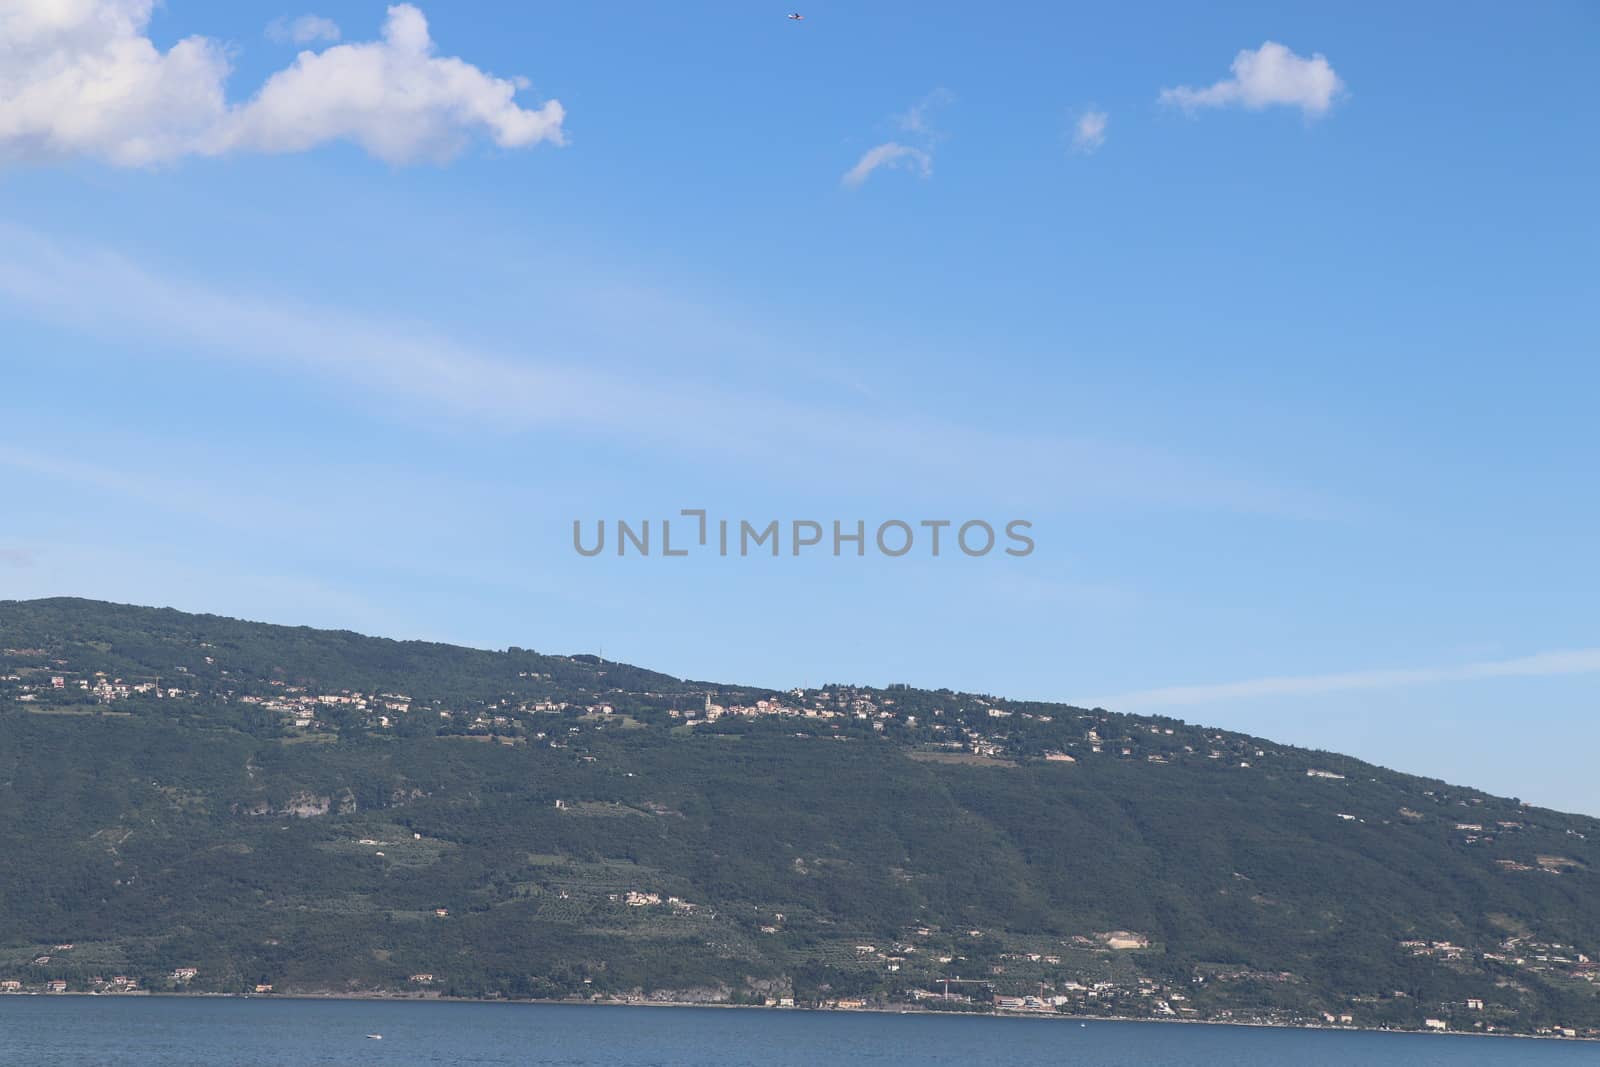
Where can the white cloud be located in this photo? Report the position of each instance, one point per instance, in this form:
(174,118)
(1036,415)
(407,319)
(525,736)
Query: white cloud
(426,376)
(82,78)
(79,77)
(1272,74)
(918,118)
(393,97)
(302,30)
(1089,133)
(891,154)
(1540,665)
(917,126)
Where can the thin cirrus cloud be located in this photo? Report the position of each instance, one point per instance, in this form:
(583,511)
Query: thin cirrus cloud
(432,374)
(918,118)
(84,79)
(1539,665)
(1272,75)
(304,29)
(892,155)
(913,151)
(1089,132)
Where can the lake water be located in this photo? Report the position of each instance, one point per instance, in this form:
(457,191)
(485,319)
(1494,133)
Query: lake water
(46,1031)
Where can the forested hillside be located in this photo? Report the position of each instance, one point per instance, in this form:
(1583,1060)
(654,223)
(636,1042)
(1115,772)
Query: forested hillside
(191,803)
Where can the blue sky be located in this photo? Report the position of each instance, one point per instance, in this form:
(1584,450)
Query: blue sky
(1294,377)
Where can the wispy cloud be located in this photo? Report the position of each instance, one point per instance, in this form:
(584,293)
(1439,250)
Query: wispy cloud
(395,356)
(85,79)
(1270,75)
(913,151)
(442,380)
(889,154)
(918,118)
(1089,132)
(190,498)
(1539,665)
(303,29)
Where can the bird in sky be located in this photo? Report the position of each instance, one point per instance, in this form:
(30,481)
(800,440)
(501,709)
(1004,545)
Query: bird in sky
(795,16)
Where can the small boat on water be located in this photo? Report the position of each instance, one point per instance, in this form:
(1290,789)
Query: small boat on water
(374,1037)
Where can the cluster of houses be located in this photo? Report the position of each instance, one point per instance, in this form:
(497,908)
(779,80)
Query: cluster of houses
(1443,950)
(1139,996)
(301,706)
(118,984)
(635,898)
(30,688)
(1550,958)
(976,725)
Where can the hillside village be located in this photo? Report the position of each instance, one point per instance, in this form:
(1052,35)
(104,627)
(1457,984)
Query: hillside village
(535,709)
(578,710)
(1077,979)
(933,725)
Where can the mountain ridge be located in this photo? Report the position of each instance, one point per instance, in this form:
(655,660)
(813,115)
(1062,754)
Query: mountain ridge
(196,792)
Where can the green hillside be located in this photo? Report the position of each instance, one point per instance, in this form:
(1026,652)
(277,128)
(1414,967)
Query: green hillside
(325,812)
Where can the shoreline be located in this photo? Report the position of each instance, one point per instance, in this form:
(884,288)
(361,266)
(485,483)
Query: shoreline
(422,998)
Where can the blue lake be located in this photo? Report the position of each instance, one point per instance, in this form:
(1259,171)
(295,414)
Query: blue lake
(44,1031)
